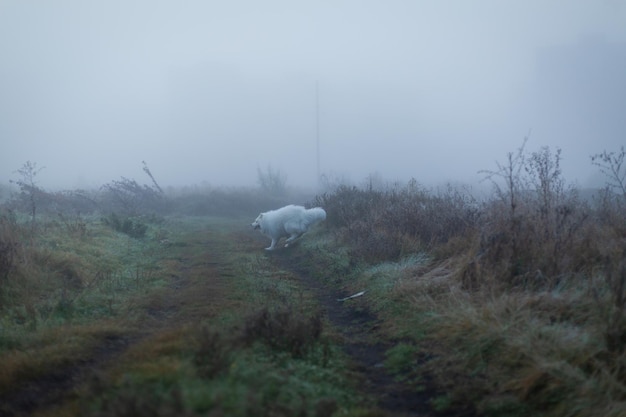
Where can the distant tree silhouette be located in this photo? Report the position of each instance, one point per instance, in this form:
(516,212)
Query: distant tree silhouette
(272,181)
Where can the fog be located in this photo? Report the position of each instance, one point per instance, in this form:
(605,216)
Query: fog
(211,91)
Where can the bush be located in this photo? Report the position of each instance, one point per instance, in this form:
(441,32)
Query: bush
(533,233)
(129,197)
(9,242)
(127,225)
(212,356)
(382,225)
(283,330)
(29,190)
(272,181)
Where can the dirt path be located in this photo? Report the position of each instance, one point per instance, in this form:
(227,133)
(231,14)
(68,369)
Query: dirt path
(52,388)
(364,344)
(183,300)
(357,326)
(195,287)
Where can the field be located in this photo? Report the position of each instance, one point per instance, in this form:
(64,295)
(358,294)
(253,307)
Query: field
(137,301)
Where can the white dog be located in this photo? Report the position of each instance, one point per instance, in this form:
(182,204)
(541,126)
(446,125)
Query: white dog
(292,221)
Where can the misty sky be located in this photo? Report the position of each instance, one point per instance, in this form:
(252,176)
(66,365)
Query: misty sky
(209,91)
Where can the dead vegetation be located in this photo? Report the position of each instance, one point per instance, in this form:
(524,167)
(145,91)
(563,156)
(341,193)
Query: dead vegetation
(515,303)
(523,294)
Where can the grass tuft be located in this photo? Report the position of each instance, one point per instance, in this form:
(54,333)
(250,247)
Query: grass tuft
(284,330)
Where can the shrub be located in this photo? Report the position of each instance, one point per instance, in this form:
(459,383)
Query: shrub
(272,181)
(9,242)
(611,164)
(212,355)
(283,330)
(129,197)
(130,226)
(381,225)
(29,190)
(76,226)
(533,230)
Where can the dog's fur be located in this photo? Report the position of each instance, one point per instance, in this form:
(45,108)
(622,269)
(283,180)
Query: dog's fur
(289,221)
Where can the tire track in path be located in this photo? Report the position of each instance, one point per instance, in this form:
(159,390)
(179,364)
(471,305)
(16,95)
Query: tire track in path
(194,279)
(363,343)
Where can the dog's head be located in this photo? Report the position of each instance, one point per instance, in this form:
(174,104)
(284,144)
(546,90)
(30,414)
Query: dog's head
(256,224)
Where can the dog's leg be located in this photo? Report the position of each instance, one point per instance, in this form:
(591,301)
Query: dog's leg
(292,238)
(272,246)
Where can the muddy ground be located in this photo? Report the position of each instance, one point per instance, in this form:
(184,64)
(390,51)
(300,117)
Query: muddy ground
(187,299)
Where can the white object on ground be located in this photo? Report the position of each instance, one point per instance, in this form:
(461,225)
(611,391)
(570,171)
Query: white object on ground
(358,294)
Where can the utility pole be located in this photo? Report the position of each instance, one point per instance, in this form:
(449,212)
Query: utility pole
(317,131)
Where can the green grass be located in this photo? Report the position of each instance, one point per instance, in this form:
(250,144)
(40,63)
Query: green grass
(248,340)
(69,294)
(256,382)
(240,344)
(512,352)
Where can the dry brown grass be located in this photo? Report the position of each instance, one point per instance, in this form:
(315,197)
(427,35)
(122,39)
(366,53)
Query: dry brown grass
(381,225)
(517,349)
(52,349)
(284,329)
(522,305)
